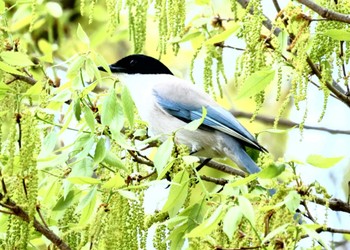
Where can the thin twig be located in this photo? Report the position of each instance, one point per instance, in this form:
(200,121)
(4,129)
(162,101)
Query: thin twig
(286,123)
(218,181)
(225,168)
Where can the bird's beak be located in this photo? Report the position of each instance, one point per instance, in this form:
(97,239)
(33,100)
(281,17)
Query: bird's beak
(112,68)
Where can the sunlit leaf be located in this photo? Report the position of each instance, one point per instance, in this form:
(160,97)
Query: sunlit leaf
(230,29)
(115,182)
(114,161)
(275,232)
(64,203)
(128,194)
(187,37)
(16,58)
(9,69)
(323,162)
(256,82)
(338,34)
(128,105)
(89,208)
(177,194)
(89,118)
(247,209)
(100,150)
(243,181)
(231,221)
(82,35)
(208,225)
(292,201)
(194,125)
(54,9)
(163,155)
(84,180)
(272,171)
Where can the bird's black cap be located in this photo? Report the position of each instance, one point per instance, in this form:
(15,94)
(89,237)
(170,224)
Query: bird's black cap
(138,64)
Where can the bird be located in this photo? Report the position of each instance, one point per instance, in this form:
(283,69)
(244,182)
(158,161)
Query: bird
(167,103)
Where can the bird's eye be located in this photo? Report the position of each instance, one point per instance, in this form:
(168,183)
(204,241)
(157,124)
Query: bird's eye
(132,62)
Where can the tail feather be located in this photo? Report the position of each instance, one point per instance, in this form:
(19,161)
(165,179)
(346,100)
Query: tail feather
(235,151)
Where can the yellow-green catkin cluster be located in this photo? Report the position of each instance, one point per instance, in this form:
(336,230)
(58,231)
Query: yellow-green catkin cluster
(253,58)
(70,217)
(124,227)
(213,58)
(159,241)
(113,8)
(171,22)
(34,4)
(137,23)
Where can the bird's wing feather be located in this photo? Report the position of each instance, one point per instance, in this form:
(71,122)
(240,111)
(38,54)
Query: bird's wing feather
(217,117)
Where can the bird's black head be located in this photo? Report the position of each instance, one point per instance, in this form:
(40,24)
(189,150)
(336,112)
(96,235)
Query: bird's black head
(138,64)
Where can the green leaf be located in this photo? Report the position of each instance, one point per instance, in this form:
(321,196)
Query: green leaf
(194,125)
(117,181)
(89,118)
(163,155)
(292,201)
(63,203)
(75,66)
(187,37)
(244,181)
(128,105)
(49,144)
(46,48)
(35,90)
(109,105)
(77,109)
(338,34)
(256,82)
(230,29)
(231,221)
(87,198)
(272,171)
(323,162)
(128,194)
(54,9)
(9,69)
(2,7)
(208,225)
(177,194)
(247,209)
(114,161)
(82,35)
(84,180)
(89,209)
(16,58)
(279,230)
(100,151)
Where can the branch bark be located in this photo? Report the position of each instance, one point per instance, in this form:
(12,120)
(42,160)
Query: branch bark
(326,13)
(18,211)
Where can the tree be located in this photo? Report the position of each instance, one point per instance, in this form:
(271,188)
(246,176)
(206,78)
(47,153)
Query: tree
(76,162)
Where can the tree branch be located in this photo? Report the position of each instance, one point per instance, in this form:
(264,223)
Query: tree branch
(286,123)
(326,13)
(18,211)
(218,181)
(334,86)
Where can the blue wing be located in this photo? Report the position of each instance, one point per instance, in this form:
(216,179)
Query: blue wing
(217,118)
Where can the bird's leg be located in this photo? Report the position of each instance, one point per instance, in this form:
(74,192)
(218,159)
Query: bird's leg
(203,163)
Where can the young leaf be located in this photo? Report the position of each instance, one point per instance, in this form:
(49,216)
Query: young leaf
(114,161)
(323,162)
(83,180)
(256,82)
(292,201)
(109,106)
(128,105)
(9,69)
(275,232)
(187,37)
(82,35)
(207,226)
(16,58)
(272,171)
(89,118)
(247,209)
(115,182)
(231,221)
(193,125)
(244,181)
(163,155)
(100,151)
(232,27)
(338,34)
(63,203)
(177,194)
(88,209)
(128,194)
(87,198)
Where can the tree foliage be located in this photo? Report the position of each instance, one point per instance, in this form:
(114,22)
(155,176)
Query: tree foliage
(76,162)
